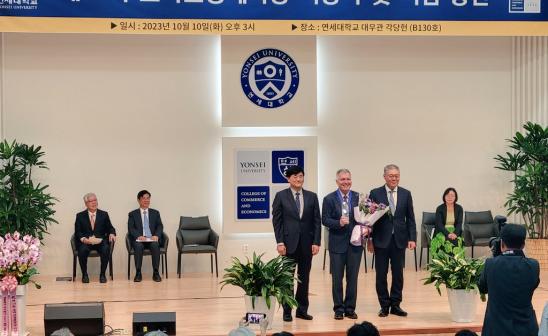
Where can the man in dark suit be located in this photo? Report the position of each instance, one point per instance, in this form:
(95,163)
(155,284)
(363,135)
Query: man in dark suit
(91,225)
(338,217)
(510,280)
(145,229)
(392,233)
(297,227)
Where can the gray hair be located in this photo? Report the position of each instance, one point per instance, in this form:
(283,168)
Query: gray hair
(391,166)
(88,195)
(342,171)
(62,332)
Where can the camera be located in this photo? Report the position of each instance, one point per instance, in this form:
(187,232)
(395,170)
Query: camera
(254,318)
(494,242)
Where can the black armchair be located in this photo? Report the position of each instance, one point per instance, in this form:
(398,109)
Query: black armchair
(92,253)
(164,242)
(427,231)
(195,235)
(479,228)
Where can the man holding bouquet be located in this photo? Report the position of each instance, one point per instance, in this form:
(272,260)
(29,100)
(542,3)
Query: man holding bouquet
(393,232)
(338,217)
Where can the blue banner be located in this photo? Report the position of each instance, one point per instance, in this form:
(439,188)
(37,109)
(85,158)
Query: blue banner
(253,202)
(431,10)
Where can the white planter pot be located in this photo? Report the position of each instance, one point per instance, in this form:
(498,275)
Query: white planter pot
(463,304)
(21,298)
(260,307)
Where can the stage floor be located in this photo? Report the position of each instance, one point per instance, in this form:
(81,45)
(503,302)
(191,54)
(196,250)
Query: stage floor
(203,309)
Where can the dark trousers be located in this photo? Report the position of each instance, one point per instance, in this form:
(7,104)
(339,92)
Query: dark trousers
(139,248)
(396,257)
(303,261)
(349,261)
(102,248)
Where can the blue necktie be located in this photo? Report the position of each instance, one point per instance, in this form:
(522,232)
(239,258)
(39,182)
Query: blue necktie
(146,225)
(298,203)
(391,202)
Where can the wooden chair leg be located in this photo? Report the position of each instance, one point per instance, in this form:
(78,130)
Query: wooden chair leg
(420,258)
(73,268)
(216,266)
(415,251)
(179,264)
(110,267)
(373,261)
(365,257)
(128,265)
(211,262)
(165,261)
(324,255)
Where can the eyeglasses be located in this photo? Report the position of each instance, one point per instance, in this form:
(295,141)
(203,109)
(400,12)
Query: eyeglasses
(393,176)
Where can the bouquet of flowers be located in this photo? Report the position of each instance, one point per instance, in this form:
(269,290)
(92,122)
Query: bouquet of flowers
(18,258)
(366,214)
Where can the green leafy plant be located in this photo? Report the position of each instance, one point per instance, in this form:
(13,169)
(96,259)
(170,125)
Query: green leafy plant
(450,266)
(25,206)
(529,163)
(257,278)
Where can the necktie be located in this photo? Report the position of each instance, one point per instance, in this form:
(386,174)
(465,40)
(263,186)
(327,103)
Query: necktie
(391,202)
(298,203)
(345,207)
(92,222)
(146,225)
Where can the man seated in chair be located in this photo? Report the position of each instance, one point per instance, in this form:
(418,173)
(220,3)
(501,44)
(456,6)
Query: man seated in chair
(93,231)
(145,231)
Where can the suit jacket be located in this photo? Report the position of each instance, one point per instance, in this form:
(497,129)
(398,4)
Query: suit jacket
(402,222)
(288,227)
(510,281)
(135,224)
(339,237)
(441,218)
(82,226)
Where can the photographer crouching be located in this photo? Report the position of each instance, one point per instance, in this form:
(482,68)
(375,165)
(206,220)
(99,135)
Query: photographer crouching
(510,280)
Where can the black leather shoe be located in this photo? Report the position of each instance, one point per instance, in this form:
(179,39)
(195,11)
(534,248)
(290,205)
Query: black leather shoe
(138,277)
(85,278)
(396,310)
(339,316)
(287,317)
(156,277)
(102,278)
(351,315)
(383,312)
(304,316)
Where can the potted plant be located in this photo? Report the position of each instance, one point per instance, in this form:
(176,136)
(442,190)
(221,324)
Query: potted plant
(263,283)
(25,206)
(528,162)
(460,275)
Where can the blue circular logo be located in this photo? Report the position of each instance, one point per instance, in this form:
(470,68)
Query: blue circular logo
(270,78)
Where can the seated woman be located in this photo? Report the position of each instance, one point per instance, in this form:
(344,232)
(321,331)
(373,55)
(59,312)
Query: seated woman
(449,215)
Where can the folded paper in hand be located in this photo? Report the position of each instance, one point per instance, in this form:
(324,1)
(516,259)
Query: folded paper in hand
(94,240)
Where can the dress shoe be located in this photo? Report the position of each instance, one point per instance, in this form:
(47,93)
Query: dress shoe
(138,277)
(339,316)
(156,277)
(102,278)
(304,316)
(396,310)
(351,315)
(85,278)
(287,317)
(383,312)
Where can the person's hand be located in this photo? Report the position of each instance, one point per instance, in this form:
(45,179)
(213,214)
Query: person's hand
(154,238)
(281,250)
(411,245)
(370,246)
(315,249)
(141,238)
(344,220)
(111,238)
(452,236)
(86,241)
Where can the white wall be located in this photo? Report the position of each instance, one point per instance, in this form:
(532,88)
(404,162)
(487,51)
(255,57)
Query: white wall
(119,113)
